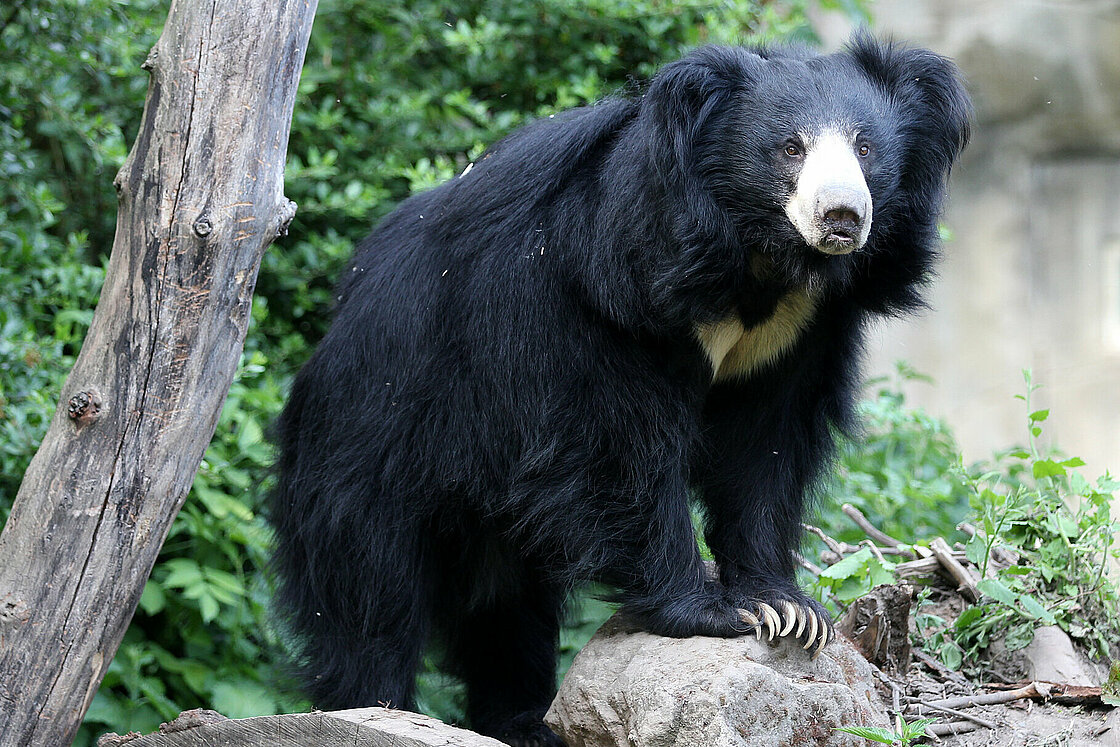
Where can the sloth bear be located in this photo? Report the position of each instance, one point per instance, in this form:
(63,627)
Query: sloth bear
(535,365)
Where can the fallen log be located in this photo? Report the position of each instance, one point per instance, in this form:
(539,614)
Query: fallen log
(360,727)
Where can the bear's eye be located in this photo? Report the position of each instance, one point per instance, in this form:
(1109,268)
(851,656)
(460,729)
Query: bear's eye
(864,149)
(793,150)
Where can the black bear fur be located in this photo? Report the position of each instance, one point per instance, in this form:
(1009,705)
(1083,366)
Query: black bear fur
(512,398)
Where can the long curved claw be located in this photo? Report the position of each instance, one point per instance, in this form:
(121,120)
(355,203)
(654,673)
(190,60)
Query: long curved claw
(789,612)
(801,614)
(821,645)
(811,638)
(770,616)
(751,620)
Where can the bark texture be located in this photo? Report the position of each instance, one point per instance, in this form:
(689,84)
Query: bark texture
(201,197)
(361,727)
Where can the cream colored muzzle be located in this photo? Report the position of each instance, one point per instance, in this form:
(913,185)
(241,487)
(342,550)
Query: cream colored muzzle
(831,206)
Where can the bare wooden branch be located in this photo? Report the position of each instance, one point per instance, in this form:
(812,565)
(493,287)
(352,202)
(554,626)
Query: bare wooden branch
(951,728)
(813,568)
(923,567)
(919,707)
(201,197)
(1061,693)
(1029,691)
(964,578)
(868,528)
(361,727)
(832,544)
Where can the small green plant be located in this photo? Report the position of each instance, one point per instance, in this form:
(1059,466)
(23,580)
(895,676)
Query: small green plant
(903,734)
(1054,535)
(1111,689)
(857,574)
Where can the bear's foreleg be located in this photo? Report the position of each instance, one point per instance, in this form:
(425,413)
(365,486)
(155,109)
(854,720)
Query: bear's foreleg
(762,451)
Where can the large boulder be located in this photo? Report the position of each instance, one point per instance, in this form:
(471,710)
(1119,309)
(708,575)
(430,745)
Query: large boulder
(628,688)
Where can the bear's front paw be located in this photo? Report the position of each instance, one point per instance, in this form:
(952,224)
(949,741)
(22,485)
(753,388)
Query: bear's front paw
(707,612)
(784,615)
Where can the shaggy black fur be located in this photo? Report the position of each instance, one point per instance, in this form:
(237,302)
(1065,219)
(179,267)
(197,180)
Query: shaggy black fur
(512,398)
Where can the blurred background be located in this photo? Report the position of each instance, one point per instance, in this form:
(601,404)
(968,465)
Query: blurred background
(398,95)
(1031,274)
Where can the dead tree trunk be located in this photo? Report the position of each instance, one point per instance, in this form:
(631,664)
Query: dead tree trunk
(360,727)
(201,197)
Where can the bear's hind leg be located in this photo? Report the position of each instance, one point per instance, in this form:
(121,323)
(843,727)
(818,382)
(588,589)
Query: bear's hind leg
(506,651)
(360,628)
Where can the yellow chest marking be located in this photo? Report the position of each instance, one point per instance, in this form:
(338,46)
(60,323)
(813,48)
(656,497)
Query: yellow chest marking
(735,352)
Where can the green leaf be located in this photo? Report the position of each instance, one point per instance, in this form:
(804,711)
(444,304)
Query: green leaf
(152,599)
(852,565)
(249,435)
(976,549)
(1038,416)
(1019,636)
(915,728)
(183,573)
(874,733)
(951,655)
(1110,693)
(995,589)
(969,616)
(1047,468)
(208,607)
(1032,607)
(242,698)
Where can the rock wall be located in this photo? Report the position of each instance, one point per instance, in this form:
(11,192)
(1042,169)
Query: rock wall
(1031,277)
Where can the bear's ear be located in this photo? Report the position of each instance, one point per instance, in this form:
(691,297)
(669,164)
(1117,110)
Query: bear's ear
(928,92)
(681,100)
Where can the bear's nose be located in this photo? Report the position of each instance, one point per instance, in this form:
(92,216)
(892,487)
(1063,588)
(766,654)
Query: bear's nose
(842,217)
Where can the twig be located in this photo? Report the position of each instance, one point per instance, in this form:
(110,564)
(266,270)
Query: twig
(941,669)
(947,729)
(813,568)
(874,550)
(868,528)
(922,567)
(896,695)
(966,582)
(917,705)
(1063,694)
(832,544)
(1030,691)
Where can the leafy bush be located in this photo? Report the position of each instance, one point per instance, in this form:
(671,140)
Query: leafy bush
(902,472)
(1056,536)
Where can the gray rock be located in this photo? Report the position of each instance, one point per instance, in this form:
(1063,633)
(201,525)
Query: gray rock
(1051,657)
(628,688)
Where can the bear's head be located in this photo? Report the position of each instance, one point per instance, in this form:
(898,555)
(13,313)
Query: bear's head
(817,162)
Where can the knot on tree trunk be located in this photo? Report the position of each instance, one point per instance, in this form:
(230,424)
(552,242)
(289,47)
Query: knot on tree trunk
(84,407)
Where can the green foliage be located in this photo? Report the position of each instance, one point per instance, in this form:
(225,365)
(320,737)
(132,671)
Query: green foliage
(1111,691)
(856,575)
(903,735)
(1037,509)
(69,93)
(901,472)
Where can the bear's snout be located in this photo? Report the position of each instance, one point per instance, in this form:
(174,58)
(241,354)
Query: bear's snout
(841,225)
(831,205)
